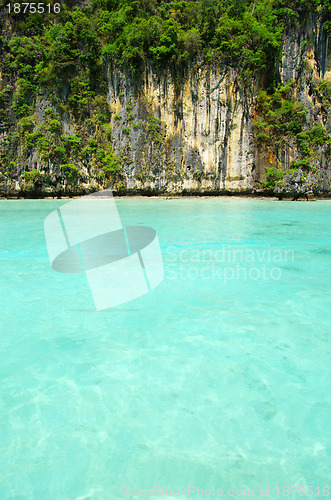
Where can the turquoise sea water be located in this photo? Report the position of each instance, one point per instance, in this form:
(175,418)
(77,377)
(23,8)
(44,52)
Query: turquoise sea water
(218,378)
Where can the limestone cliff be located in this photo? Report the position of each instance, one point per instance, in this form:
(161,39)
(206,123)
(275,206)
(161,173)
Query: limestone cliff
(193,131)
(192,135)
(203,139)
(306,60)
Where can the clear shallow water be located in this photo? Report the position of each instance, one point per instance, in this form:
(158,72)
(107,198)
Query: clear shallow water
(219,378)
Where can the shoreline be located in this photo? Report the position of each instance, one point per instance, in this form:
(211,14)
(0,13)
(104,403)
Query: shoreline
(173,197)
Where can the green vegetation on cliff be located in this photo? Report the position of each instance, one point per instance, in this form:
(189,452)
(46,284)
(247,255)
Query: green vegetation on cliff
(59,61)
(281,122)
(244,34)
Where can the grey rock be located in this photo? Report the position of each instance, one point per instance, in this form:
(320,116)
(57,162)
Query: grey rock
(294,185)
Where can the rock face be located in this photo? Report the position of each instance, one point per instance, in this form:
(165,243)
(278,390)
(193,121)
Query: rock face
(190,136)
(189,132)
(294,185)
(193,132)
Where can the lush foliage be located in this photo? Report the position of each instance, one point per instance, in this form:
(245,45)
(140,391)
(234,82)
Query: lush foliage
(64,56)
(281,121)
(273,175)
(244,34)
(279,116)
